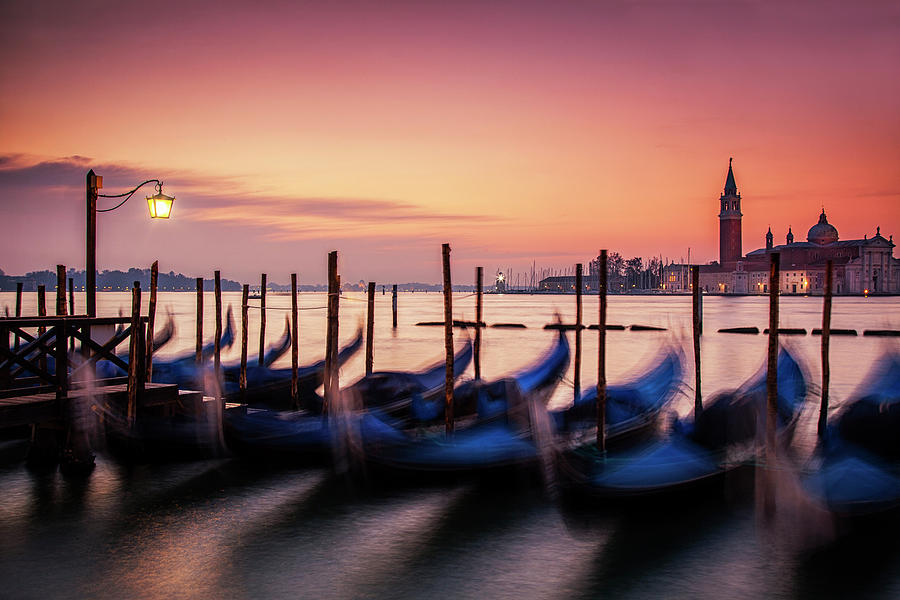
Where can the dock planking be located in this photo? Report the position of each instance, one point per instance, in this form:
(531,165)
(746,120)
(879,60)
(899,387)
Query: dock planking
(46,407)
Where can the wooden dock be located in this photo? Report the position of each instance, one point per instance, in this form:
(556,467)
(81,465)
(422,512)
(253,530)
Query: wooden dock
(46,407)
(50,388)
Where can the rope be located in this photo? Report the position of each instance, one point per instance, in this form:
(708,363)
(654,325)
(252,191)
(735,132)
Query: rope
(257,306)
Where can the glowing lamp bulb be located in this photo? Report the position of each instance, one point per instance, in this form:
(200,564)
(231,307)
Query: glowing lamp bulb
(159,204)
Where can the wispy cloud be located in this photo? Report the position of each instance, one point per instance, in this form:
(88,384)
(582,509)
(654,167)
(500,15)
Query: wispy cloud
(23,171)
(280,218)
(288,218)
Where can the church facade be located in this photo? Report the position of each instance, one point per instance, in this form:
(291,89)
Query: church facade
(861,266)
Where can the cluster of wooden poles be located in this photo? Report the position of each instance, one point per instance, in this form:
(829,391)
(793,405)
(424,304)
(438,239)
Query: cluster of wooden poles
(331,382)
(697,330)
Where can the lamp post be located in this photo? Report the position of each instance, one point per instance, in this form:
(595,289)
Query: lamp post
(160,207)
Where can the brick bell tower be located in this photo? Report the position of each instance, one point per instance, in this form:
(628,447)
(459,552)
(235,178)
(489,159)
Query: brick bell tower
(730,222)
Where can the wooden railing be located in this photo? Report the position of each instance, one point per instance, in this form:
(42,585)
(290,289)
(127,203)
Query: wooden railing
(41,362)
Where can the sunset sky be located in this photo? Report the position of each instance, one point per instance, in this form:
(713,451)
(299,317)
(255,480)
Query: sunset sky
(515,131)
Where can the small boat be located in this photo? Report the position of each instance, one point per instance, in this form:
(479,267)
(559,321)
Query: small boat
(510,426)
(632,409)
(195,431)
(394,391)
(489,399)
(697,449)
(855,471)
(307,432)
(271,388)
(156,437)
(183,369)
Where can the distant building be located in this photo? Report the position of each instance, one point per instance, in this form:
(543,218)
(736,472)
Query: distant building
(860,266)
(676,277)
(500,283)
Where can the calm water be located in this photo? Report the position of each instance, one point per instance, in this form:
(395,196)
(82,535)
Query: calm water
(235,529)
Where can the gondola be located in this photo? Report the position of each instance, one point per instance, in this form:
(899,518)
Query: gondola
(277,432)
(271,388)
(394,391)
(182,370)
(632,409)
(157,438)
(855,471)
(697,450)
(489,398)
(510,425)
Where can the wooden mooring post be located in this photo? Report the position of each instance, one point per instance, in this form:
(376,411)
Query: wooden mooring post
(217,357)
(696,330)
(601,356)
(135,370)
(479,317)
(772,385)
(295,340)
(61,291)
(262,319)
(18,311)
(93,183)
(42,312)
(579,286)
(394,304)
(826,339)
(448,340)
(198,353)
(331,334)
(151,317)
(42,305)
(370,328)
(245,321)
(72,299)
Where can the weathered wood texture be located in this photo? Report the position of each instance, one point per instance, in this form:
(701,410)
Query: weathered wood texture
(601,355)
(579,317)
(448,339)
(151,317)
(826,340)
(61,290)
(245,322)
(295,341)
(370,328)
(217,359)
(262,320)
(394,305)
(479,318)
(695,331)
(198,352)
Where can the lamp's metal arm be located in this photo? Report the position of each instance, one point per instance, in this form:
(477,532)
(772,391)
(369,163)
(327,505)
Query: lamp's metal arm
(127,195)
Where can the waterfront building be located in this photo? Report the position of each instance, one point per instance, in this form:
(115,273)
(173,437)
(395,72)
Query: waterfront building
(861,266)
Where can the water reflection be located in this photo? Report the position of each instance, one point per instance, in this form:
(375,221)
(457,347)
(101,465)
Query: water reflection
(236,528)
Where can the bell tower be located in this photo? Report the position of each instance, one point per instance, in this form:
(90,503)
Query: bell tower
(730,222)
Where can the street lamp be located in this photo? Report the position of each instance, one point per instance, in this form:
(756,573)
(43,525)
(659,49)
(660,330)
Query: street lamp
(160,207)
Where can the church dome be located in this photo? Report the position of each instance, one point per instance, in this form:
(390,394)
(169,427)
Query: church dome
(822,232)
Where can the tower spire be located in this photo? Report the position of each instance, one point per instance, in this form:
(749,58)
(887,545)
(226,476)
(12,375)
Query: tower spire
(730,185)
(730,222)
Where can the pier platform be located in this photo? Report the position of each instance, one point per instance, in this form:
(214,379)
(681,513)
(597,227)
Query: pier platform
(46,407)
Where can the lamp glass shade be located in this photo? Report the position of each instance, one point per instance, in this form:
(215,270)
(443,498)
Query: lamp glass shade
(160,206)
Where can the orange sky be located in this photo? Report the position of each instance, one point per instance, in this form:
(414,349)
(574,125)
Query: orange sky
(515,131)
